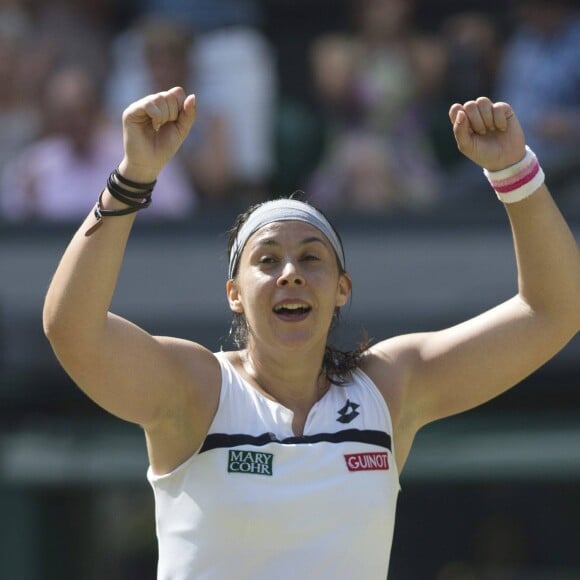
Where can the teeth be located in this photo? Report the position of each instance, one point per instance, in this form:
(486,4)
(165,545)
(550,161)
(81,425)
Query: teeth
(290,307)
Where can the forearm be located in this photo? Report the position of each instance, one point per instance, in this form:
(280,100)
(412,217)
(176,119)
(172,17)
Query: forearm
(547,257)
(80,293)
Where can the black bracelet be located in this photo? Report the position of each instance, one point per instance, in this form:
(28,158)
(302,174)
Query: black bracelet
(134,200)
(133,184)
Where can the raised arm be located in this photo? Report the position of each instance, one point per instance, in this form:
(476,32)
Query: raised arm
(136,376)
(445,372)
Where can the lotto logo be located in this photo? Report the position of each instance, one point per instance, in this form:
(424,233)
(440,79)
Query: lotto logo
(367,461)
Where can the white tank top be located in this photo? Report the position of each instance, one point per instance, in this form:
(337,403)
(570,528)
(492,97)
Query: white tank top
(256,502)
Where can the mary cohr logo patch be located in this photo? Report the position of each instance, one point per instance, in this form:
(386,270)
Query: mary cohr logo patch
(250,462)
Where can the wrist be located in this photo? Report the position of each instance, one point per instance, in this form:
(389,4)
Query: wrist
(121,197)
(109,202)
(138,173)
(507,164)
(517,181)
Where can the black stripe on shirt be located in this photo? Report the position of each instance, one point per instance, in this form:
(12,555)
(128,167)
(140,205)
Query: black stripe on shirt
(224,440)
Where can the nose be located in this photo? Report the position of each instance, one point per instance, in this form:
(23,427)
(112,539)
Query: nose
(290,275)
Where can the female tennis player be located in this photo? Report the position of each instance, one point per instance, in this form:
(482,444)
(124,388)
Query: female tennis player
(281,459)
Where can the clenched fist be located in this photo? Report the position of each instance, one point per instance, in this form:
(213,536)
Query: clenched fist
(154,128)
(488,133)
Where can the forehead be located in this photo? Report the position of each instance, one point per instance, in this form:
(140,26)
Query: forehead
(286,232)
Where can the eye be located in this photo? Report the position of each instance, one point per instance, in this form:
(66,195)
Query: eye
(266,260)
(310,258)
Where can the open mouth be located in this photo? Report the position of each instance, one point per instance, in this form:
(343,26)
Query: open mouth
(297,311)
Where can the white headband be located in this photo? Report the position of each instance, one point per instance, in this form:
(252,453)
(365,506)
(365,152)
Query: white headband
(280,210)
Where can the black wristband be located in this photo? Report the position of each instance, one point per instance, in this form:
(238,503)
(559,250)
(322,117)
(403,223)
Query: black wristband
(134,184)
(132,198)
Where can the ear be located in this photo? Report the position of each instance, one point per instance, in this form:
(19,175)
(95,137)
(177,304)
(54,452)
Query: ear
(344,289)
(234,296)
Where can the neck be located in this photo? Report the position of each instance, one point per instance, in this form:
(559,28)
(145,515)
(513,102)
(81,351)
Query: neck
(293,380)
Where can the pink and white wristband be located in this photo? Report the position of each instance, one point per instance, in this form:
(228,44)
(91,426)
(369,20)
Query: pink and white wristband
(517,181)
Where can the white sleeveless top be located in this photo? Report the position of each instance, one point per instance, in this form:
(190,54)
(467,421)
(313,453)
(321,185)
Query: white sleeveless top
(256,502)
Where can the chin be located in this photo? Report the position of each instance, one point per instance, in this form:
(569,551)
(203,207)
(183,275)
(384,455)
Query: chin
(297,340)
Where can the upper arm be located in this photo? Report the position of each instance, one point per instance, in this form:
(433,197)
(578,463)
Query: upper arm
(458,368)
(139,377)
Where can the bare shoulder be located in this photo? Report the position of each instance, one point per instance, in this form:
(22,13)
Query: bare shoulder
(389,364)
(200,374)
(177,434)
(197,361)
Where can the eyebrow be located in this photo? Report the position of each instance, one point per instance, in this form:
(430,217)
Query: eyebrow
(273,242)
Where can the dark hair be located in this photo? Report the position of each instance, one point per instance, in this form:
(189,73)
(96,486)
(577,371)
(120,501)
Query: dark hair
(337,364)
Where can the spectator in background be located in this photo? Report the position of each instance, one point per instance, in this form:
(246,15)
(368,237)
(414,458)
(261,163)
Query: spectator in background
(234,73)
(57,177)
(472,48)
(164,50)
(540,76)
(150,52)
(372,86)
(536,69)
(473,51)
(72,33)
(36,39)
(18,113)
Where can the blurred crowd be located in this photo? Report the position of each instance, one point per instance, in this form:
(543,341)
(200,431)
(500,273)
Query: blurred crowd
(373,136)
